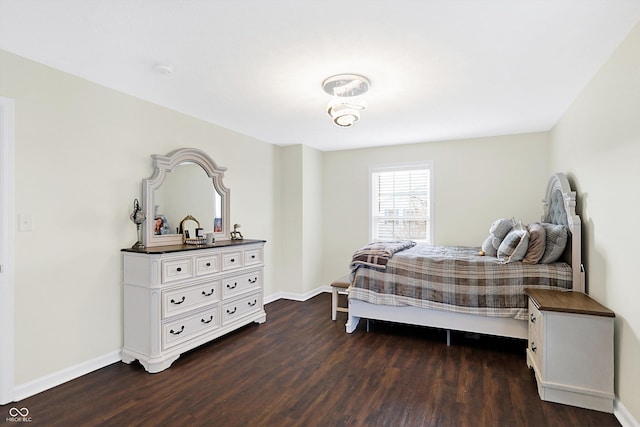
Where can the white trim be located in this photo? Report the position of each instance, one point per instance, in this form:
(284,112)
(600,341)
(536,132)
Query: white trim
(7,332)
(623,415)
(55,379)
(296,296)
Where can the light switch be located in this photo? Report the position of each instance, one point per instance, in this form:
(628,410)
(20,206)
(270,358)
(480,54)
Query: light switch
(25,222)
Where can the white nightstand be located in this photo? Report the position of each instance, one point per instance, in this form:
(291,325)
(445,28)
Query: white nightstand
(571,348)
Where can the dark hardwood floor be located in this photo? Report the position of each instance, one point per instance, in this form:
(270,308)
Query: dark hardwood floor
(302,369)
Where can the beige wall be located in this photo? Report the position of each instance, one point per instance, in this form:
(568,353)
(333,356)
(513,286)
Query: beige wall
(81,153)
(300,213)
(598,143)
(475,182)
(312,212)
(290,219)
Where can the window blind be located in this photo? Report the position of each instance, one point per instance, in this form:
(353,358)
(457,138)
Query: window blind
(401,203)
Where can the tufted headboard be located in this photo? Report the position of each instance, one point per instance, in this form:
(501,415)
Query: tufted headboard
(559,206)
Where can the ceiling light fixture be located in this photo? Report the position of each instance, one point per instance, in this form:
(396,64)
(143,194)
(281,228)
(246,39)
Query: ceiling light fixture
(345,109)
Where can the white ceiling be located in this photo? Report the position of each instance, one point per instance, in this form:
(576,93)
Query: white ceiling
(439,69)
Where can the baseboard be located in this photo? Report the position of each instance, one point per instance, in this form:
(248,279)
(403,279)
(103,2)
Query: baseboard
(295,296)
(623,415)
(55,379)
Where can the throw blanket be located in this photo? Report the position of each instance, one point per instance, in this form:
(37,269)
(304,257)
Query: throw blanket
(376,255)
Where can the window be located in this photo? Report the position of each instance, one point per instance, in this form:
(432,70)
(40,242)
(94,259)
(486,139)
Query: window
(401,203)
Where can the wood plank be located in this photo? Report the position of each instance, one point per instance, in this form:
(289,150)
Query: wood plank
(301,369)
(567,302)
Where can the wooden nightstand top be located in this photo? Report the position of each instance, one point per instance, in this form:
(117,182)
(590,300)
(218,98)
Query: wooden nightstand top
(567,302)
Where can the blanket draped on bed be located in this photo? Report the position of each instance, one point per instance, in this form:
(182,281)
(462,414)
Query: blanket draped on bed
(377,254)
(454,279)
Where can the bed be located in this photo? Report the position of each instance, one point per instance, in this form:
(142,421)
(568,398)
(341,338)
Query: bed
(471,292)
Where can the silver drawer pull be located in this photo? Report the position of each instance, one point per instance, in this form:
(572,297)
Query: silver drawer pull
(204,293)
(254,280)
(177,332)
(232,287)
(177,302)
(232,311)
(207,321)
(533,347)
(251,304)
(533,318)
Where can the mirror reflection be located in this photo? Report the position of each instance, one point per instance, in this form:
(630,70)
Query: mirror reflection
(187,190)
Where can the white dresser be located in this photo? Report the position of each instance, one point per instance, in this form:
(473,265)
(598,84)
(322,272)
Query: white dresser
(571,348)
(181,296)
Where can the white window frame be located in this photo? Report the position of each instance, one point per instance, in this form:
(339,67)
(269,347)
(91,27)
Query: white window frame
(398,167)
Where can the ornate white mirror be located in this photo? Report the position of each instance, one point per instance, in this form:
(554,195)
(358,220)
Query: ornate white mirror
(185,182)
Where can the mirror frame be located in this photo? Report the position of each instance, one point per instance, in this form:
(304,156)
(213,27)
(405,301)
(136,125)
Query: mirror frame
(164,165)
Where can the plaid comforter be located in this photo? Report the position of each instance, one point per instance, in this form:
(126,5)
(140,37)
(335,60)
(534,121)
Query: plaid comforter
(455,278)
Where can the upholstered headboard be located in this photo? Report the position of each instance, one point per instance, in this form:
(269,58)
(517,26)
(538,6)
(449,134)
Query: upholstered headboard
(559,206)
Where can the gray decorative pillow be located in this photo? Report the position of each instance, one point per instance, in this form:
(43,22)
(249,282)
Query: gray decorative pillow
(556,241)
(514,246)
(537,243)
(487,247)
(499,229)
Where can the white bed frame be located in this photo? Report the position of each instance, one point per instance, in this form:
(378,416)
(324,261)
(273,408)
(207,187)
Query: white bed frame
(501,326)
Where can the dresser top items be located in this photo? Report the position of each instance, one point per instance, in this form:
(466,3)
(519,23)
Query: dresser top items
(184,200)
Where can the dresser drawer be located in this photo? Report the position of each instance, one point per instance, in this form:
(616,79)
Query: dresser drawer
(536,341)
(209,264)
(177,269)
(180,330)
(536,320)
(252,257)
(187,298)
(234,310)
(241,283)
(231,260)
(536,347)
